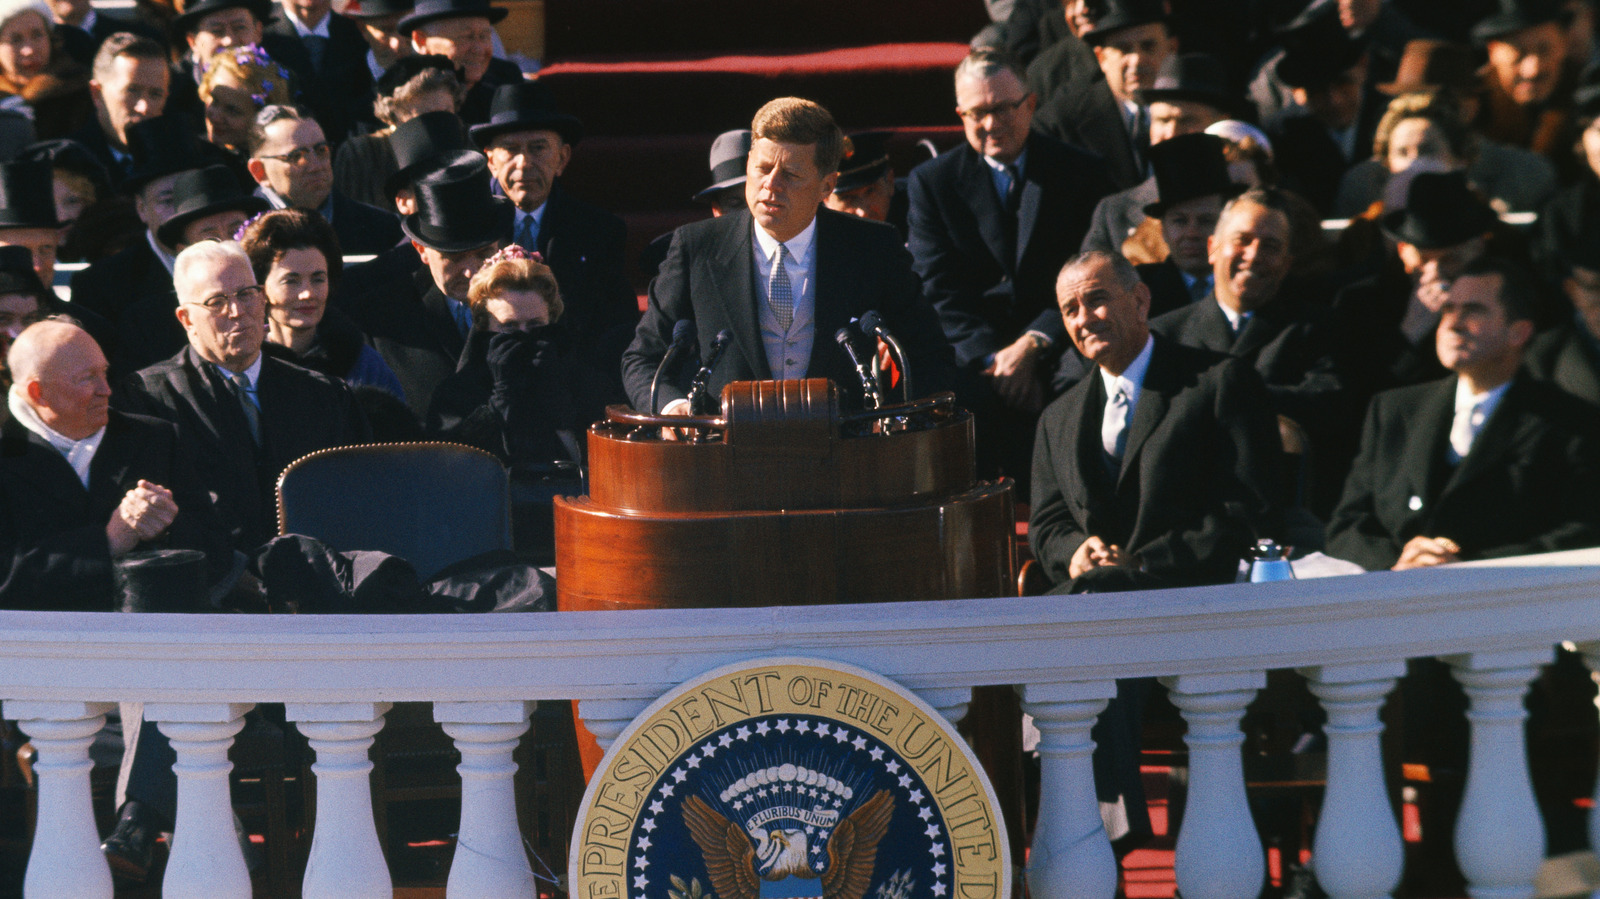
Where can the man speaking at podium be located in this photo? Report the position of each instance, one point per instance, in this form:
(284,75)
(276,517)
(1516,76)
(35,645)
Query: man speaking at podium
(783,276)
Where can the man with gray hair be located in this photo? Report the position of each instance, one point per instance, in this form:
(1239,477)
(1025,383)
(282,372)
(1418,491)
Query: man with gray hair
(244,414)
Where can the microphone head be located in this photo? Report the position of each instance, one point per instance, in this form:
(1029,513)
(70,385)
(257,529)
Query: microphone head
(871,322)
(723,338)
(846,335)
(683,333)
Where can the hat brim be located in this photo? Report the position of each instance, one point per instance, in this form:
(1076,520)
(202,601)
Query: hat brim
(1314,71)
(481,231)
(1106,27)
(9,220)
(705,194)
(185,22)
(1503,23)
(412,172)
(171,230)
(412,23)
(1402,226)
(862,177)
(1159,208)
(1230,106)
(570,129)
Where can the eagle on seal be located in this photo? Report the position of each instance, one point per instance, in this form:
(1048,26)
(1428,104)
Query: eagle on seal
(737,861)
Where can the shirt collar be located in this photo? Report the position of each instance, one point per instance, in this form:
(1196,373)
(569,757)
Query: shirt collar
(161,253)
(1488,400)
(1016,166)
(78,453)
(300,28)
(1132,376)
(1233,316)
(538,214)
(89,20)
(799,245)
(251,374)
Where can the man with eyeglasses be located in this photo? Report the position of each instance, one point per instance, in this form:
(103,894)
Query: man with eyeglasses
(291,160)
(991,223)
(207,26)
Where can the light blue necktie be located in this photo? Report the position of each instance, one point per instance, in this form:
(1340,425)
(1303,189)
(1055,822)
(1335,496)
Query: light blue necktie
(780,295)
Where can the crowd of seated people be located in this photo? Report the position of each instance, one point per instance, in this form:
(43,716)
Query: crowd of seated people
(1120,268)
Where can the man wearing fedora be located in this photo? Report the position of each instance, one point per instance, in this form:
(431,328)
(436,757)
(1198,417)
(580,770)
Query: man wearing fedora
(463,30)
(1191,185)
(991,222)
(730,150)
(528,143)
(867,186)
(785,276)
(1528,98)
(328,56)
(420,324)
(209,205)
(28,213)
(291,160)
(1188,96)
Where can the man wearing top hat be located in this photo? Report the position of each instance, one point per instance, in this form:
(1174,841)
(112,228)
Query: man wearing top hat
(209,205)
(291,160)
(867,186)
(785,276)
(420,324)
(991,222)
(28,213)
(528,143)
(328,56)
(1528,97)
(729,153)
(1188,96)
(463,30)
(1192,184)
(206,26)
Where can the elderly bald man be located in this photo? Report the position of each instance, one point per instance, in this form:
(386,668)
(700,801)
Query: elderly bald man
(81,483)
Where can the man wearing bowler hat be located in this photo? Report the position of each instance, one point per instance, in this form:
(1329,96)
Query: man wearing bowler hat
(463,30)
(28,213)
(420,324)
(1192,184)
(1528,102)
(1188,96)
(529,142)
(867,186)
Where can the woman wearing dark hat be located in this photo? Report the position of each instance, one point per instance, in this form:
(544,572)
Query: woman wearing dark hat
(295,255)
(411,87)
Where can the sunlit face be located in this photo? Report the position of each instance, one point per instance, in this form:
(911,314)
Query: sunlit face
(221,310)
(1440,265)
(1475,335)
(1413,139)
(74,193)
(1187,227)
(156,201)
(468,42)
(73,396)
(297,289)
(24,46)
(526,163)
(517,310)
(869,201)
(452,272)
(1527,63)
(17,311)
(996,113)
(1131,58)
(1169,118)
(783,187)
(216,226)
(1337,103)
(1591,146)
(296,162)
(230,112)
(381,34)
(309,11)
(41,242)
(1249,256)
(1106,320)
(134,90)
(1358,15)
(224,28)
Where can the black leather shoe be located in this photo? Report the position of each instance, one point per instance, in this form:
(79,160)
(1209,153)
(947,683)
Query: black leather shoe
(132,843)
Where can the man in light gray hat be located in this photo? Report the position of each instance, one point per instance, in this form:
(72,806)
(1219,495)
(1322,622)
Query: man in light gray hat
(725,192)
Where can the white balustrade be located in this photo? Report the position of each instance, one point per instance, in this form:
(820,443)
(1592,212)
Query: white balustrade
(1357,853)
(607,718)
(1221,859)
(490,860)
(207,861)
(346,861)
(1071,856)
(66,860)
(950,702)
(1499,832)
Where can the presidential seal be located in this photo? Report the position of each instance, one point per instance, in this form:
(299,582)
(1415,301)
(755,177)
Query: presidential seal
(790,779)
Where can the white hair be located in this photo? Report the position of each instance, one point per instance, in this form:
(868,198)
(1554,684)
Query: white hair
(10,9)
(206,252)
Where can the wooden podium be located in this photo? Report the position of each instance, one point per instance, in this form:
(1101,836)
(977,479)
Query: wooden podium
(784,500)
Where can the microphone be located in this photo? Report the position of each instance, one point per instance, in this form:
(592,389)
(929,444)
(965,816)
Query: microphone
(872,323)
(847,337)
(683,337)
(699,393)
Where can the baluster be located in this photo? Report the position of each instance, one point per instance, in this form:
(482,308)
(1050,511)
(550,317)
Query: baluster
(607,718)
(1358,853)
(346,861)
(206,862)
(66,859)
(1499,832)
(1219,851)
(491,861)
(949,702)
(1071,855)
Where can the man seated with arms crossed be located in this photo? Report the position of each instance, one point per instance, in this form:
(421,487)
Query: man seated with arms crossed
(1487,462)
(784,276)
(80,483)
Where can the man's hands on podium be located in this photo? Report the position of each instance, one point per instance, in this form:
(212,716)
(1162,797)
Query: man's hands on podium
(1425,552)
(145,513)
(1096,553)
(1012,373)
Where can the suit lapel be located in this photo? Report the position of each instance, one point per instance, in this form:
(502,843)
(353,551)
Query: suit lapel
(1263,327)
(977,189)
(1088,458)
(1208,327)
(1154,396)
(1027,212)
(1424,465)
(738,255)
(59,483)
(1493,443)
(441,324)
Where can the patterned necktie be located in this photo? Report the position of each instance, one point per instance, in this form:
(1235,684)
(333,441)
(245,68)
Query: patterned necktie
(246,395)
(779,294)
(1114,427)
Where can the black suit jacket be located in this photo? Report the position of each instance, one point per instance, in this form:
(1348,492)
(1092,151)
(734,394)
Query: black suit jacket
(338,92)
(1528,485)
(93,139)
(301,412)
(1168,289)
(1116,217)
(53,550)
(132,290)
(1311,163)
(409,323)
(363,230)
(1567,357)
(988,284)
(709,276)
(1198,480)
(475,108)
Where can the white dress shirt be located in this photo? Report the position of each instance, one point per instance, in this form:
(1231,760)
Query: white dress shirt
(1472,413)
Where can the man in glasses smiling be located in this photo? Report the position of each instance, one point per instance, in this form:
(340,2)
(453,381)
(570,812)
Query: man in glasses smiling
(292,161)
